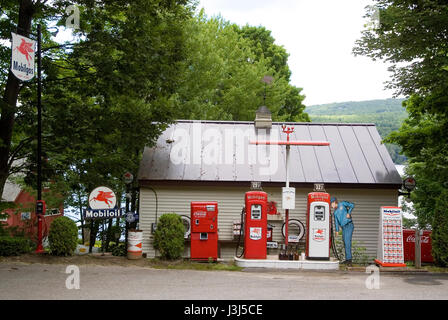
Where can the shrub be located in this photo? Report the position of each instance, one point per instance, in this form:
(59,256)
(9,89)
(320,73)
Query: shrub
(63,236)
(13,246)
(359,255)
(439,235)
(169,236)
(118,249)
(3,231)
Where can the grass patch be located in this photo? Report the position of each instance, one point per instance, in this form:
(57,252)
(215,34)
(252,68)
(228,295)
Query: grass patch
(192,265)
(108,260)
(432,268)
(427,266)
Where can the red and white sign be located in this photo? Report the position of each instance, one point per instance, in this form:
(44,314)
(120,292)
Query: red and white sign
(22,57)
(409,245)
(102,198)
(318,234)
(128,178)
(411,238)
(390,240)
(255,233)
(200,214)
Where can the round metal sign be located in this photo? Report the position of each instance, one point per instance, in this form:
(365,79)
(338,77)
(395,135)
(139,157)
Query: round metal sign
(128,178)
(409,183)
(130,217)
(102,198)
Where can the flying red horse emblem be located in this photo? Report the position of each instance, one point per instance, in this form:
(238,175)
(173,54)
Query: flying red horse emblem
(25,48)
(103,196)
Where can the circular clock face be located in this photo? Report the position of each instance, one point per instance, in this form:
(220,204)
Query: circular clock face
(409,183)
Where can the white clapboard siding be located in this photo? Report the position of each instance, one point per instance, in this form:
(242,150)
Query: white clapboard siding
(231,200)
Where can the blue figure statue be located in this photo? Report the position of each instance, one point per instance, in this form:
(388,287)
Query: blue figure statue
(343,220)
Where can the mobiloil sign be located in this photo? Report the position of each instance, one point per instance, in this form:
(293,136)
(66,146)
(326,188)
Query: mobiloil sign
(22,57)
(102,205)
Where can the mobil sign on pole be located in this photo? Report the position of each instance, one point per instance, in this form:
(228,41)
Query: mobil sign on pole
(102,205)
(22,57)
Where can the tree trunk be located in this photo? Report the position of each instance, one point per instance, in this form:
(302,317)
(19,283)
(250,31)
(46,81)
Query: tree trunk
(10,96)
(94,226)
(81,217)
(109,235)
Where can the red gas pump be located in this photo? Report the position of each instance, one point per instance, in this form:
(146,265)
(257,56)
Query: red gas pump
(204,230)
(318,240)
(255,226)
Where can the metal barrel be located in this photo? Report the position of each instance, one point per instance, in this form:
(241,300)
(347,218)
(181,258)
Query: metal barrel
(135,241)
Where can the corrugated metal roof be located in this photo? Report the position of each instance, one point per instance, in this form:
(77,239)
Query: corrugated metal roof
(220,151)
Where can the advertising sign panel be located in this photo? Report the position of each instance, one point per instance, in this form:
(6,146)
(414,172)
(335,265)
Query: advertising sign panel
(102,205)
(390,239)
(22,57)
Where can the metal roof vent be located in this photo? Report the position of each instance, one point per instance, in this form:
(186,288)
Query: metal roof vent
(263,118)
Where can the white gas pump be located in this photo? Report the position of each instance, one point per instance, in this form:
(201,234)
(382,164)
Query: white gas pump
(318,240)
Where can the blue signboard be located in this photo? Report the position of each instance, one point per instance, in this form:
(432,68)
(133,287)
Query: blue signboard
(102,213)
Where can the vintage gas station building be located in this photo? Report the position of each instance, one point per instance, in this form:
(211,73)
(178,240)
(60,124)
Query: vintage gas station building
(213,161)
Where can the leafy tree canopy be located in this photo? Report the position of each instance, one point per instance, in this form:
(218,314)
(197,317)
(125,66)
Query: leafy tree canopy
(105,96)
(413,36)
(225,68)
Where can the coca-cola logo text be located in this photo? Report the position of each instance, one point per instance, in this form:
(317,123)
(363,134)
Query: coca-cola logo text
(423,239)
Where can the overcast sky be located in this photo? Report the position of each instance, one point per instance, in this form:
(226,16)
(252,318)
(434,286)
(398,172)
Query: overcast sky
(319,36)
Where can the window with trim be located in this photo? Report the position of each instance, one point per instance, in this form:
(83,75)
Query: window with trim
(52,212)
(4,217)
(25,215)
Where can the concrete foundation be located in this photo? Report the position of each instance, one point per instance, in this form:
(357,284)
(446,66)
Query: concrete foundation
(272,262)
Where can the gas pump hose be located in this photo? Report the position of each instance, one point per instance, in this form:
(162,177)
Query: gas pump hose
(333,242)
(239,237)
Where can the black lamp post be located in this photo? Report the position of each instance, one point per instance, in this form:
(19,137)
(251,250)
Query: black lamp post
(40,204)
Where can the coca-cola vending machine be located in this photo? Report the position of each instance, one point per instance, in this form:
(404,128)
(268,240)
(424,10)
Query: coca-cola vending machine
(425,245)
(204,230)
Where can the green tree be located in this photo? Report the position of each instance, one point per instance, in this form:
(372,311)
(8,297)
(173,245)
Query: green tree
(105,96)
(263,45)
(412,35)
(422,138)
(224,75)
(439,233)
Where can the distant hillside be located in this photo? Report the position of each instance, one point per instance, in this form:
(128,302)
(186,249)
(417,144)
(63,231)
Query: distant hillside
(387,115)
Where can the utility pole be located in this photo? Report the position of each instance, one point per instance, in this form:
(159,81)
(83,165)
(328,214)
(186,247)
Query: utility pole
(288,131)
(128,178)
(288,144)
(418,248)
(39,202)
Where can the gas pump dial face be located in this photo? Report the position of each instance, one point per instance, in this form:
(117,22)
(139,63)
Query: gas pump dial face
(319,213)
(255,212)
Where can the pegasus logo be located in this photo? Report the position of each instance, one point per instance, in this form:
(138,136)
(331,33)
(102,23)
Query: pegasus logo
(25,48)
(103,196)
